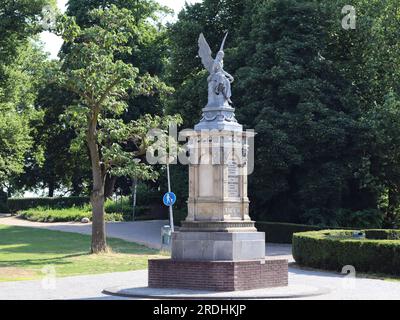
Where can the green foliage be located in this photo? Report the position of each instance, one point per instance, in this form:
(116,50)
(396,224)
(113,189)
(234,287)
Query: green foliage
(380,234)
(22,78)
(124,206)
(21,72)
(302,84)
(368,218)
(299,105)
(276,232)
(76,214)
(74,209)
(19,19)
(14,143)
(333,250)
(180,215)
(93,70)
(18,204)
(147,195)
(3,202)
(61,166)
(384,159)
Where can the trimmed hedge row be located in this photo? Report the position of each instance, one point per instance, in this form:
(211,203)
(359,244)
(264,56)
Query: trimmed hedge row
(278,232)
(17,204)
(379,234)
(3,202)
(334,249)
(64,215)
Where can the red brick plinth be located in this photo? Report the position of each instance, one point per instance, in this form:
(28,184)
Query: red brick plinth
(218,275)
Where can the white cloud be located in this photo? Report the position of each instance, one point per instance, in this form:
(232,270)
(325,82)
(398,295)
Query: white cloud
(52,43)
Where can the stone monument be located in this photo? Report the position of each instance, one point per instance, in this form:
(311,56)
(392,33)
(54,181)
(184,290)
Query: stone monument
(218,247)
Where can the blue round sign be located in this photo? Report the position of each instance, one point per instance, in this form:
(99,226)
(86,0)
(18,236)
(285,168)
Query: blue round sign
(169,199)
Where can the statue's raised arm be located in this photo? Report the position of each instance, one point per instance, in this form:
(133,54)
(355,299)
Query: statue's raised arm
(219,81)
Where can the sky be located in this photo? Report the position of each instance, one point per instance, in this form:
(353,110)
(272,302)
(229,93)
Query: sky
(53,43)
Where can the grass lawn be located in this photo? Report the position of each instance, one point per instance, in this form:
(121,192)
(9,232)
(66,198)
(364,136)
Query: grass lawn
(24,252)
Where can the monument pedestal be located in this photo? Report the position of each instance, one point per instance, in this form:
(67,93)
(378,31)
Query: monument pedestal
(218,246)
(218,275)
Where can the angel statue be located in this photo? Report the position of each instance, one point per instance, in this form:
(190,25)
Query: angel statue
(219,81)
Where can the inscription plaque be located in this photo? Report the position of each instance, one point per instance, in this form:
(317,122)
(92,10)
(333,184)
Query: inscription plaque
(233,179)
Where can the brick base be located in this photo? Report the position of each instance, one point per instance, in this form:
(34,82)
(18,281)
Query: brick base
(218,275)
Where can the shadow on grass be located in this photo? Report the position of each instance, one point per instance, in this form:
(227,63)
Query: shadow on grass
(39,262)
(39,241)
(30,247)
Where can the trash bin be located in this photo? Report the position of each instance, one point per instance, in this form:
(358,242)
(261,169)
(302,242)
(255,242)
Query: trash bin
(166,235)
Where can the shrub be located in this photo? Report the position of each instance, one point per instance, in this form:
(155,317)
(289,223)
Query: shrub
(334,249)
(3,202)
(43,214)
(17,204)
(368,218)
(52,209)
(180,215)
(277,232)
(147,196)
(379,234)
(124,206)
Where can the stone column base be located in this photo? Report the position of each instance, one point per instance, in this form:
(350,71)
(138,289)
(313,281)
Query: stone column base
(218,226)
(218,246)
(218,275)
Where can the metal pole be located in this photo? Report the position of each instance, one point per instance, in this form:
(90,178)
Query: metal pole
(121,200)
(171,213)
(134,198)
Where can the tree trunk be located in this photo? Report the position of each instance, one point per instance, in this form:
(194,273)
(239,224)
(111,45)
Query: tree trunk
(109,186)
(394,201)
(51,189)
(77,187)
(99,243)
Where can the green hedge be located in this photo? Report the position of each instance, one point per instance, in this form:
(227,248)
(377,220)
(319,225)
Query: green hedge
(3,202)
(277,232)
(17,204)
(75,214)
(380,234)
(334,249)
(180,215)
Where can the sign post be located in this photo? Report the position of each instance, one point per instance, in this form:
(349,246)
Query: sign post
(169,200)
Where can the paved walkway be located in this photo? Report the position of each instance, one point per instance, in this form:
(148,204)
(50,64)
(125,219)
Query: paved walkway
(91,287)
(144,232)
(148,233)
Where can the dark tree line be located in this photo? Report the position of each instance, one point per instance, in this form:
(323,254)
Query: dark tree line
(323,100)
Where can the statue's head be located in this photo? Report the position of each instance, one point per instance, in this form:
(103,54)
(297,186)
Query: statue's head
(220,55)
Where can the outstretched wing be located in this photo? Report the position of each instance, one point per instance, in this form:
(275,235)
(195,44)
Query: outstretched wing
(205,53)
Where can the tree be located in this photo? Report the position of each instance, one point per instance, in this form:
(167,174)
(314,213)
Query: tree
(382,163)
(149,52)
(19,20)
(62,166)
(18,93)
(293,93)
(93,71)
(21,70)
(369,57)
